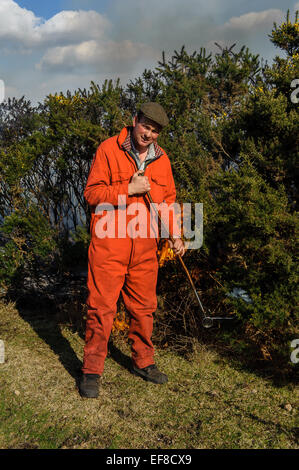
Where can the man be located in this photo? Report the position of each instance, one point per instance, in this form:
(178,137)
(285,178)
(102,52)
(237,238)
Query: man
(124,169)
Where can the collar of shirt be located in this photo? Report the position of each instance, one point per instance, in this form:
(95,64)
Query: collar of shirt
(151,155)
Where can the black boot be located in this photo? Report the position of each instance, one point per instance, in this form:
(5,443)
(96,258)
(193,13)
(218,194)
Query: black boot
(150,374)
(89,385)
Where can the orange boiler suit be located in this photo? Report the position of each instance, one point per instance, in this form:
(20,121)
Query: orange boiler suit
(122,263)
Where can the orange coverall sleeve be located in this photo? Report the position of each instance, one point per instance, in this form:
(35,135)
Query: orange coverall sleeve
(98,187)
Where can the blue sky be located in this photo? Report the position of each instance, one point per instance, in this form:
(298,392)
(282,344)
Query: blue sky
(49,46)
(46,9)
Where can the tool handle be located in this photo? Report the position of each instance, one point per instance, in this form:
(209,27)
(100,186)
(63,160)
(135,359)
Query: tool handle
(179,256)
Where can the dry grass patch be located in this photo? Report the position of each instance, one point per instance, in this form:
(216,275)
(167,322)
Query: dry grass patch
(207,403)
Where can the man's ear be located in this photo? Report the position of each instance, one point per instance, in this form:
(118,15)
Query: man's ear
(134,121)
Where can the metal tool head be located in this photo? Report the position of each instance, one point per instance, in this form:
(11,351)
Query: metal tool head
(208,319)
(207,322)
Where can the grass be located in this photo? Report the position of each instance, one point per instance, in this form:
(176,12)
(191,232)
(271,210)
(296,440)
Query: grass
(209,402)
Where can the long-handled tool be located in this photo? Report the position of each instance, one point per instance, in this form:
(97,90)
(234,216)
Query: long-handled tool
(207,320)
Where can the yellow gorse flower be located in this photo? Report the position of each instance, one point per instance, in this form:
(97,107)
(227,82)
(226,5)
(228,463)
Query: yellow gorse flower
(61,99)
(120,323)
(165,254)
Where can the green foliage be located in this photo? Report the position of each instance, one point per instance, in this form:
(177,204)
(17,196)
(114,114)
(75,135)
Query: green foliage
(29,245)
(257,235)
(286,36)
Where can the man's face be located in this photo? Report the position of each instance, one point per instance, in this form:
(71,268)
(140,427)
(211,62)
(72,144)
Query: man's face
(145,132)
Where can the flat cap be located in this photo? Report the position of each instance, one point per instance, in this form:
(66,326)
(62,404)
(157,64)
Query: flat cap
(155,112)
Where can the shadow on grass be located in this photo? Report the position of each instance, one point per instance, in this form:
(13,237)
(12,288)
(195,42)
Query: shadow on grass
(118,356)
(47,321)
(47,326)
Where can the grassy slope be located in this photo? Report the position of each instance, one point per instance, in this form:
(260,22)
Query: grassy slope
(207,403)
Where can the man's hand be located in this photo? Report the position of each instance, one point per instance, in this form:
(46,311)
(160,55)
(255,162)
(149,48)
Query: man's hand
(139,184)
(178,246)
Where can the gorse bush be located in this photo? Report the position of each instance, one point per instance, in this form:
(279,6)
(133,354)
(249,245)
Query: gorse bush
(233,143)
(29,245)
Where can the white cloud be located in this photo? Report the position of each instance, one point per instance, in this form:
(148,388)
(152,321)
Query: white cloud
(109,56)
(253,21)
(68,40)
(21,28)
(73,26)
(16,24)
(250,29)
